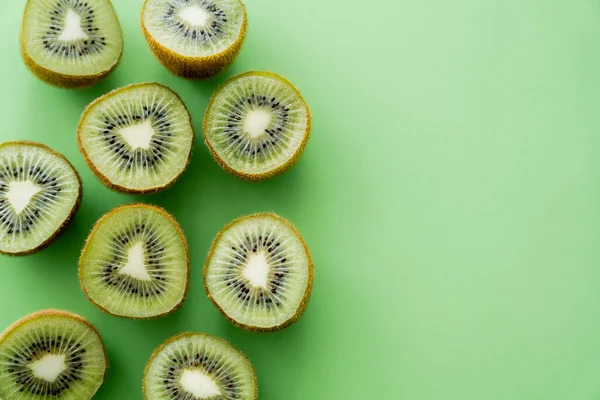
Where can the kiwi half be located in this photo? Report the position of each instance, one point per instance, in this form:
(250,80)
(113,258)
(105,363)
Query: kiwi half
(257,125)
(51,354)
(71,43)
(193,366)
(137,139)
(259,272)
(194,38)
(39,193)
(135,263)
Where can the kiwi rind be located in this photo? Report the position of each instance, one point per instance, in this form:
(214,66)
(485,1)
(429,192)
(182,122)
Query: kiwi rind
(187,334)
(104,179)
(63,80)
(309,285)
(195,67)
(283,167)
(62,227)
(185,246)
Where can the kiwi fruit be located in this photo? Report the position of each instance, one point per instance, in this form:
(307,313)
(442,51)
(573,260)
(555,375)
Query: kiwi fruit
(71,43)
(39,193)
(193,366)
(137,139)
(51,354)
(257,125)
(259,272)
(194,38)
(135,263)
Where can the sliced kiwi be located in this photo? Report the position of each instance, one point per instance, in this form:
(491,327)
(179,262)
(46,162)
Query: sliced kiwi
(259,272)
(257,125)
(39,193)
(71,43)
(194,366)
(137,139)
(194,38)
(135,263)
(51,354)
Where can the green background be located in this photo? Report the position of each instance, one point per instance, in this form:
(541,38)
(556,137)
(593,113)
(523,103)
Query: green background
(449,194)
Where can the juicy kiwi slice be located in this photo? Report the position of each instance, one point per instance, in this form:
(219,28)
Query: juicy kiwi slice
(39,193)
(257,125)
(194,38)
(71,43)
(259,272)
(51,354)
(138,138)
(135,263)
(194,366)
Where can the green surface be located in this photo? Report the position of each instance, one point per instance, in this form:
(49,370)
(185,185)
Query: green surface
(449,194)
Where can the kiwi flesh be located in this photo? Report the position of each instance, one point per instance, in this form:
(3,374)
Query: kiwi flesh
(257,125)
(194,38)
(135,263)
(137,139)
(71,43)
(39,193)
(259,272)
(51,354)
(193,366)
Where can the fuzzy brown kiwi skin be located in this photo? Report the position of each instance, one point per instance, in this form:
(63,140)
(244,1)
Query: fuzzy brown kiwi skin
(104,179)
(195,67)
(309,285)
(163,212)
(283,167)
(187,334)
(62,227)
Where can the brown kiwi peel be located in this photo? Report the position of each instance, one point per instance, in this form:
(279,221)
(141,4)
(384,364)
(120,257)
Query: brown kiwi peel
(309,285)
(283,167)
(61,228)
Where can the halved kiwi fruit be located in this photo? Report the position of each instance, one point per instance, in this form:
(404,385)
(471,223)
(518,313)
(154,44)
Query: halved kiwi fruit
(259,272)
(39,193)
(51,354)
(257,125)
(194,366)
(194,38)
(135,262)
(71,43)
(137,139)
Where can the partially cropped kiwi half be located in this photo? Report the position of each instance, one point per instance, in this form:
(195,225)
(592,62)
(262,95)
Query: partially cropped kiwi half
(137,139)
(257,125)
(39,193)
(71,43)
(194,366)
(51,354)
(259,273)
(135,263)
(194,38)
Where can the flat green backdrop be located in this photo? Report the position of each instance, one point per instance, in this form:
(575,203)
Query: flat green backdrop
(450,195)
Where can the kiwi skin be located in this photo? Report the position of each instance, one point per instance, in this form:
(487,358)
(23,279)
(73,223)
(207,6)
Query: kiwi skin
(282,168)
(185,246)
(105,181)
(185,334)
(61,228)
(195,67)
(307,292)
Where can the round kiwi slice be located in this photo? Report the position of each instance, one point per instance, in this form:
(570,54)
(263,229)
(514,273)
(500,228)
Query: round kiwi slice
(137,139)
(194,366)
(51,354)
(257,125)
(39,193)
(194,38)
(135,263)
(71,43)
(259,273)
